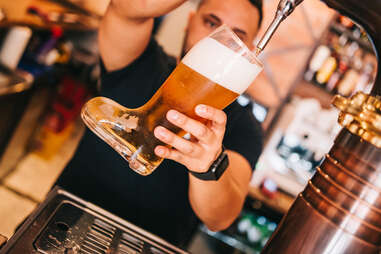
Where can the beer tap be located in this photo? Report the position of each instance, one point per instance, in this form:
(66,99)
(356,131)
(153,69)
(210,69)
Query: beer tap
(322,220)
(285,8)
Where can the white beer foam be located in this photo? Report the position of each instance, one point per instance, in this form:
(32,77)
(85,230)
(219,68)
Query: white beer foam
(221,65)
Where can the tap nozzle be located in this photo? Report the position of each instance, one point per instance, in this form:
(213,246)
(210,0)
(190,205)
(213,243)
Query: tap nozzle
(285,8)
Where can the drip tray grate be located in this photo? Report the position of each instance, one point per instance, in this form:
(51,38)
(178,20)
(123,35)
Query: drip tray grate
(68,225)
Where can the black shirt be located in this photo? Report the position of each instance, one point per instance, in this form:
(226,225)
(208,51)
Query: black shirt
(159,202)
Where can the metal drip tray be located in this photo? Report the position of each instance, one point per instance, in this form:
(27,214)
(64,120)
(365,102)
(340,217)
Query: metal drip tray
(65,224)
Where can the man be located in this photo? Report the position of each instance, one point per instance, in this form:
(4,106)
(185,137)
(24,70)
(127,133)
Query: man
(170,201)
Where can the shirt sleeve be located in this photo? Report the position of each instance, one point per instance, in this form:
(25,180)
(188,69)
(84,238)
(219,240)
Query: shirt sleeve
(244,134)
(134,85)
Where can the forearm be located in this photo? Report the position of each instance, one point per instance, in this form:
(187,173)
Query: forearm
(145,9)
(218,203)
(126,29)
(122,40)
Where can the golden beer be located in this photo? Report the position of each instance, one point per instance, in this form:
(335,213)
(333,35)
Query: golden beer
(194,81)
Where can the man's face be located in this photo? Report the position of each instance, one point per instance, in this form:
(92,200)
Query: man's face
(240,15)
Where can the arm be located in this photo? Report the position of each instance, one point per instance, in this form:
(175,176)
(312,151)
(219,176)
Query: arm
(126,28)
(218,203)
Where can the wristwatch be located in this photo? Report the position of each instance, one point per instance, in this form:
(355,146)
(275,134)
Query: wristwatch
(216,170)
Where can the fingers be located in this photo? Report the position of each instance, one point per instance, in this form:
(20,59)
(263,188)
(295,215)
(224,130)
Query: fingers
(218,117)
(171,154)
(181,144)
(197,129)
(196,155)
(199,164)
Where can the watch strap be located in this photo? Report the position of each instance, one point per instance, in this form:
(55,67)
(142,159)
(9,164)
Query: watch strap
(216,169)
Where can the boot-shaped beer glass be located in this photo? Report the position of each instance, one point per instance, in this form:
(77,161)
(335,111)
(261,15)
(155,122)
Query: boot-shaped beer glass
(214,72)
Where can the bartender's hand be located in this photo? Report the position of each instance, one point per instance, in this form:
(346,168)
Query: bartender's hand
(200,152)
(216,203)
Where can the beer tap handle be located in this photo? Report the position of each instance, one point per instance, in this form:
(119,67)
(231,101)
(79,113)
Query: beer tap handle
(285,8)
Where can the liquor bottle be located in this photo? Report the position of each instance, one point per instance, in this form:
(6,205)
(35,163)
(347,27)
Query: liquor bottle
(338,74)
(14,45)
(356,32)
(327,69)
(348,83)
(331,63)
(358,59)
(317,61)
(371,58)
(344,55)
(365,80)
(351,64)
(341,45)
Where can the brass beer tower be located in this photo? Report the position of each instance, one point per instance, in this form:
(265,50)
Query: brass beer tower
(340,209)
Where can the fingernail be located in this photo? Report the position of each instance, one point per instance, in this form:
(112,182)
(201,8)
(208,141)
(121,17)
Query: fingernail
(201,109)
(174,115)
(159,132)
(160,151)
(162,132)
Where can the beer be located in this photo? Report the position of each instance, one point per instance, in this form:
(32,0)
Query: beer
(210,74)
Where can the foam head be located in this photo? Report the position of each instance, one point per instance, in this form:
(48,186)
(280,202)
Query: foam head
(222,65)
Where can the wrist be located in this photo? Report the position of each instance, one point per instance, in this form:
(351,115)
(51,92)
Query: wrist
(216,170)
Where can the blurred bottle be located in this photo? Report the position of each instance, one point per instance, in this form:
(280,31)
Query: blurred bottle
(14,46)
(332,62)
(358,59)
(326,71)
(339,64)
(371,58)
(317,61)
(47,53)
(345,61)
(365,81)
(338,74)
(340,47)
(347,84)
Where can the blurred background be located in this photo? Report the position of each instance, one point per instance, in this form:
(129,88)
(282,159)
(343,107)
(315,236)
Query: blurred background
(49,68)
